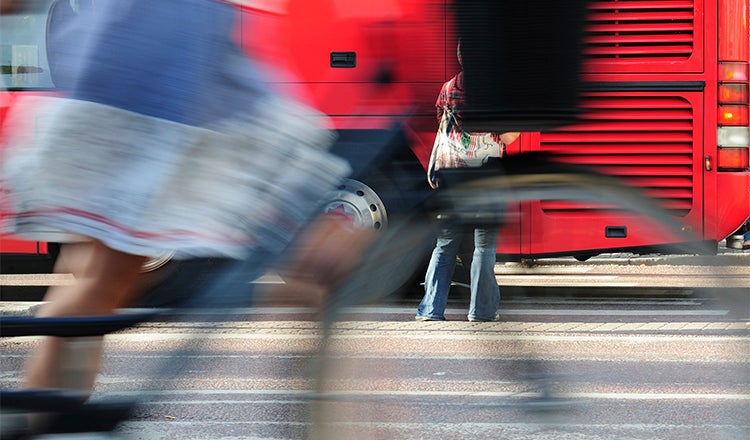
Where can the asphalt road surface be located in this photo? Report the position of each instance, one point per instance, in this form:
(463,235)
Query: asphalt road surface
(621,348)
(554,367)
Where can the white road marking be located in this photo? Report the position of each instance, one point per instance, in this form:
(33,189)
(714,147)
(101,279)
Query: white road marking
(182,394)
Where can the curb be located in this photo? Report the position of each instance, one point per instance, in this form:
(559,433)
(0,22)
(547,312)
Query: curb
(19,308)
(724,257)
(653,260)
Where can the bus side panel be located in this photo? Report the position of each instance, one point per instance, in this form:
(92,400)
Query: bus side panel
(364,58)
(732,202)
(654,36)
(514,235)
(650,141)
(12,245)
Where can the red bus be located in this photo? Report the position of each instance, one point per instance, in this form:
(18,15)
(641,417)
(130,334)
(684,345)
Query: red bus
(665,108)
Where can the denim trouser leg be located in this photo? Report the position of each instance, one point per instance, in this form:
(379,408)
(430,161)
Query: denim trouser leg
(485,293)
(437,282)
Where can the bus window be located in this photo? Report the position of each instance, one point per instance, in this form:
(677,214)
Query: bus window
(23,52)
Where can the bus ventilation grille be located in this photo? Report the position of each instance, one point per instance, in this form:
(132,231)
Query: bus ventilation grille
(646,141)
(640,30)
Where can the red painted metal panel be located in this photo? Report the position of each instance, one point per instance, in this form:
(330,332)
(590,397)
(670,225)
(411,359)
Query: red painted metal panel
(404,38)
(635,36)
(733,39)
(650,140)
(12,245)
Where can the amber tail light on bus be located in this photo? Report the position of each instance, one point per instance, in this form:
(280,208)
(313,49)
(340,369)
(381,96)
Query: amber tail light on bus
(732,134)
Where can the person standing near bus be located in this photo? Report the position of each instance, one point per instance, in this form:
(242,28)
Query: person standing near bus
(454,148)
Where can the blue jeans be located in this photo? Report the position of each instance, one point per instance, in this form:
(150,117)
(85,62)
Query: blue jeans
(485,293)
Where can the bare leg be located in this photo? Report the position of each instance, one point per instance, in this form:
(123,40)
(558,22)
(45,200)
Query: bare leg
(105,280)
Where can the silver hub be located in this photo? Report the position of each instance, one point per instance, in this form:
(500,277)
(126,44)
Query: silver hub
(359,204)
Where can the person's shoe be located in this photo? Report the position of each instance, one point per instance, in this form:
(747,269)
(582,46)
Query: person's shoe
(426,318)
(496,318)
(746,245)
